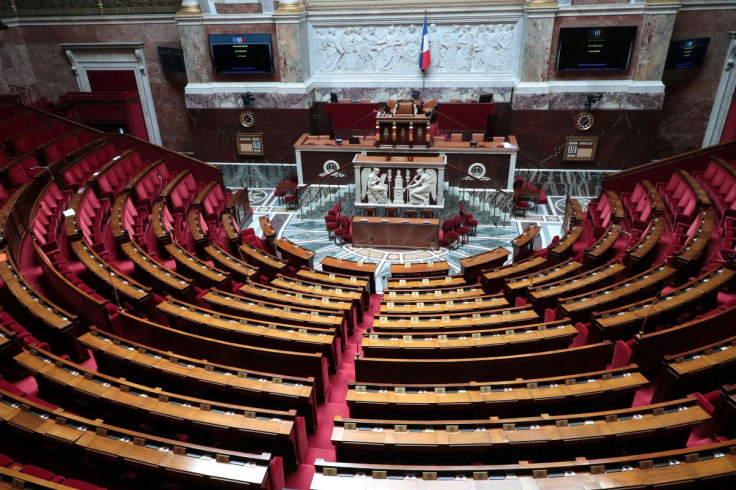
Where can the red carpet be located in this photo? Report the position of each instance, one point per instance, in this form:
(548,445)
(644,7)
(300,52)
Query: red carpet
(320,443)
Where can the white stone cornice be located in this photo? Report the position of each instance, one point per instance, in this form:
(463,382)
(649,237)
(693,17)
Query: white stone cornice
(90,20)
(229,19)
(320,5)
(617,86)
(618,9)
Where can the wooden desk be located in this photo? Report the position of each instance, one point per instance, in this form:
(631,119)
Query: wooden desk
(432,294)
(689,467)
(472,267)
(269,232)
(564,247)
(509,316)
(192,266)
(273,361)
(294,254)
(649,348)
(388,306)
(113,447)
(546,296)
(511,341)
(420,269)
(642,285)
(493,280)
(116,219)
(598,390)
(617,209)
(641,251)
(622,322)
(9,347)
(411,233)
(350,283)
(551,363)
(45,319)
(231,229)
(315,321)
(402,129)
(131,290)
(238,269)
(432,283)
(518,286)
(269,265)
(239,427)
(262,292)
(698,370)
(155,272)
(499,440)
(595,254)
(362,269)
(138,362)
(524,243)
(692,250)
(306,287)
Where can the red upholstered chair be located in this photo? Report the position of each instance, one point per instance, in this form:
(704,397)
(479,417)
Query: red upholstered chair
(460,228)
(81,485)
(5,461)
(41,473)
(468,219)
(290,200)
(520,205)
(448,235)
(342,234)
(332,223)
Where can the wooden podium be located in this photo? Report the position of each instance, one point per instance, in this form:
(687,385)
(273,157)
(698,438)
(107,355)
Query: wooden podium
(405,129)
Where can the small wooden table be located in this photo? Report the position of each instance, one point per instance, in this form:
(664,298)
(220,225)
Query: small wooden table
(410,233)
(472,267)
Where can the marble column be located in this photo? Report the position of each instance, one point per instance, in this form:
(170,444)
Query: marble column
(656,31)
(193,43)
(291,37)
(539,28)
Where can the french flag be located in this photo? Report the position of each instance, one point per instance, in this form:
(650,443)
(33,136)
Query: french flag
(424,59)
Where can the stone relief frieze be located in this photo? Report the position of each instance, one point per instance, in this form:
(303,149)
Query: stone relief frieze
(454,48)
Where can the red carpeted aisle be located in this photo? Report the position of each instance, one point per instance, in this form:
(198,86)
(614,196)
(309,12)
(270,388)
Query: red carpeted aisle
(320,445)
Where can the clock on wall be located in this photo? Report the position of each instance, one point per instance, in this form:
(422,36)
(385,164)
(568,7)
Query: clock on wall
(247,119)
(584,121)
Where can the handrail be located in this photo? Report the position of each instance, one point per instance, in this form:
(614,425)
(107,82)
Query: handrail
(306,195)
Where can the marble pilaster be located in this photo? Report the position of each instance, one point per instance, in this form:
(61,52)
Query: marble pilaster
(292,48)
(655,39)
(539,29)
(194,46)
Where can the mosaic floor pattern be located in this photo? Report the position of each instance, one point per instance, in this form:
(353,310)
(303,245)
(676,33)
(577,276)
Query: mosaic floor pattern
(311,234)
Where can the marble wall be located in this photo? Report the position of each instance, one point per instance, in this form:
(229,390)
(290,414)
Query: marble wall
(690,91)
(48,71)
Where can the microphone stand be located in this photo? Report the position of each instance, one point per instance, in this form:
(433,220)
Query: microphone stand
(112,284)
(646,317)
(51,174)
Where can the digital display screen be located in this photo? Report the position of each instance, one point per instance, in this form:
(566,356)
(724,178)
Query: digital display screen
(595,48)
(172,59)
(684,54)
(241,53)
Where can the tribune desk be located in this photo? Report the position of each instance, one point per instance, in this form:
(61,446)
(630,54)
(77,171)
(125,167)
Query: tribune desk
(395,232)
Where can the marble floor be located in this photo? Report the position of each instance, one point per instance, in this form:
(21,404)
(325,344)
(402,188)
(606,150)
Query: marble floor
(311,234)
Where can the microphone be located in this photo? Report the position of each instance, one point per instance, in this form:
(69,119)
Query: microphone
(51,175)
(646,317)
(370,240)
(112,285)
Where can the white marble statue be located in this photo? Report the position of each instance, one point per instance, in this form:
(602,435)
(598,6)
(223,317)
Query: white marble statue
(373,187)
(422,187)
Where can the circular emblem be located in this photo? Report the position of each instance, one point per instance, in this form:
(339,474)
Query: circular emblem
(477,170)
(247,119)
(330,166)
(584,121)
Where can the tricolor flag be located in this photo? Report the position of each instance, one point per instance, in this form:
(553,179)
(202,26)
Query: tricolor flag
(424,59)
